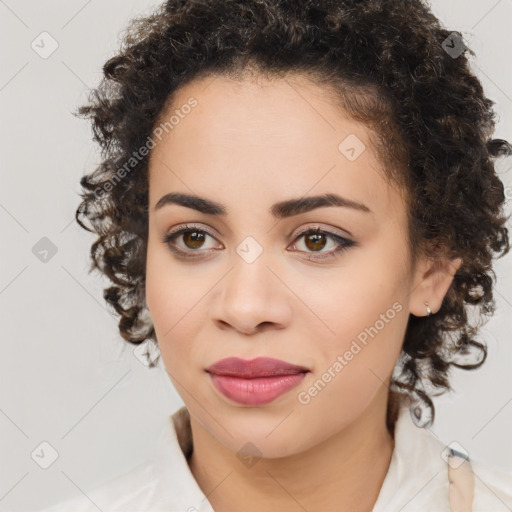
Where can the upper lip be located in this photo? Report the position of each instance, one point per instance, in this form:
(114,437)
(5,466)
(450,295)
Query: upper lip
(251,368)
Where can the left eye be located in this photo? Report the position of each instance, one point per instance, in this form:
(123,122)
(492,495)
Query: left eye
(315,240)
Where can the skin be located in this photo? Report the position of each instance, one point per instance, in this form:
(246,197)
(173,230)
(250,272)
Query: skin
(249,144)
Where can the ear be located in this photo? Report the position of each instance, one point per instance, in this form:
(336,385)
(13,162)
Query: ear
(431,281)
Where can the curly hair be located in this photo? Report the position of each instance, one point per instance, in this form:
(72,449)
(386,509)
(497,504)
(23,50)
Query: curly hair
(389,64)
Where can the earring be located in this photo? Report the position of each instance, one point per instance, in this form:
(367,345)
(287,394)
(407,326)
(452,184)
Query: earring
(420,410)
(429,311)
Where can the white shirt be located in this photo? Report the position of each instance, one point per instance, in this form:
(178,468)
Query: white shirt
(417,479)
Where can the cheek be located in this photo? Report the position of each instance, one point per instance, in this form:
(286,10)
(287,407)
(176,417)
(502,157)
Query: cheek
(177,305)
(165,297)
(365,310)
(170,290)
(354,368)
(359,305)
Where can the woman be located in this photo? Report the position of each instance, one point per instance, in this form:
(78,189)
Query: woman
(298,204)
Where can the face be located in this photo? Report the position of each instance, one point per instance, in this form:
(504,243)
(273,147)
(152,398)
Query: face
(252,282)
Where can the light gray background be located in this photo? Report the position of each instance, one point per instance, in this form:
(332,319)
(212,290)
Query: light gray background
(67,377)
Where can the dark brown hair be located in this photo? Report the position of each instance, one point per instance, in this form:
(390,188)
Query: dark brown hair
(392,65)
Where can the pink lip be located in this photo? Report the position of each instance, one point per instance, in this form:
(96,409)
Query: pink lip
(252,368)
(255,381)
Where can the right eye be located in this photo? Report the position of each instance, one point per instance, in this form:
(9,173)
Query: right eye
(192,238)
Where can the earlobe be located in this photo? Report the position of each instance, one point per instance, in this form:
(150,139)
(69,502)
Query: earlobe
(431,282)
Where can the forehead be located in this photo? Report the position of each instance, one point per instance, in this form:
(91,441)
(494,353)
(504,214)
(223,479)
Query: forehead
(267,140)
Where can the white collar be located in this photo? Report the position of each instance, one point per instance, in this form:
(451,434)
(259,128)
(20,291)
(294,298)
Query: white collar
(417,478)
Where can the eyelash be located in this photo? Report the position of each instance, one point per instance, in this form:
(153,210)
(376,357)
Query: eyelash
(344,243)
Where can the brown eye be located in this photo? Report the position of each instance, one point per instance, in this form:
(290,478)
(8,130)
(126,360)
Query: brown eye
(193,239)
(189,242)
(315,241)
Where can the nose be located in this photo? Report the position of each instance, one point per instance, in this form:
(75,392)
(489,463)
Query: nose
(252,298)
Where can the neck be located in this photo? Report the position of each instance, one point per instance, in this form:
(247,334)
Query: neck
(343,473)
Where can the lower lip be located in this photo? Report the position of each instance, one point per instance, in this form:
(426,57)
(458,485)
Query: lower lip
(257,391)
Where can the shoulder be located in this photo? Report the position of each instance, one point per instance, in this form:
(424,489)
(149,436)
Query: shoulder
(422,476)
(129,491)
(493,488)
(163,482)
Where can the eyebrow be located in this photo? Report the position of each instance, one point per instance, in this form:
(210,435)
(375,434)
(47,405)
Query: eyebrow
(279,210)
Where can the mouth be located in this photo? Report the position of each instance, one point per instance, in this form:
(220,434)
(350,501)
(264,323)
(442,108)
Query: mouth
(255,381)
(254,368)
